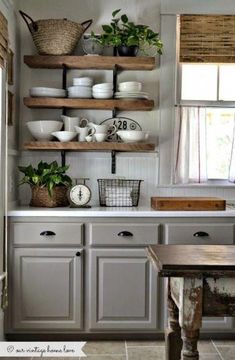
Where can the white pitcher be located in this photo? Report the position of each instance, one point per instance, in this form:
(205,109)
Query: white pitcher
(83,132)
(70,122)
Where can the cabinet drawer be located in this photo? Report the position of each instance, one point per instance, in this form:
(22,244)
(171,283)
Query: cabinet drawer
(197,234)
(124,234)
(42,233)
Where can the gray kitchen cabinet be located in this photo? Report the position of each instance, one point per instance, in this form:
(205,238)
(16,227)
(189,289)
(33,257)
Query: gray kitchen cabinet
(47,288)
(123,290)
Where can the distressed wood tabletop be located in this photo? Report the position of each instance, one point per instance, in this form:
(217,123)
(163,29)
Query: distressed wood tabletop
(194,260)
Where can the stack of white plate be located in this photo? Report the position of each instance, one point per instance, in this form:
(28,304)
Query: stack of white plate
(102,91)
(82,92)
(82,88)
(47,92)
(130,90)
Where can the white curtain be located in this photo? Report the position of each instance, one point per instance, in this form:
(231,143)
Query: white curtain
(231,175)
(190,146)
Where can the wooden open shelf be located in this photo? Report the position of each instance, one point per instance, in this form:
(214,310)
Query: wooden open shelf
(90,62)
(85,146)
(57,103)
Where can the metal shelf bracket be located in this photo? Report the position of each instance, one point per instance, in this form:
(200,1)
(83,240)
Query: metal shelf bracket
(113,160)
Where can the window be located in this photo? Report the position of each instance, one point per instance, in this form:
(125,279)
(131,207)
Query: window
(211,86)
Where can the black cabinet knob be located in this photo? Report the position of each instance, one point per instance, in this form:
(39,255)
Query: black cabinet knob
(47,233)
(125,233)
(201,234)
(78,253)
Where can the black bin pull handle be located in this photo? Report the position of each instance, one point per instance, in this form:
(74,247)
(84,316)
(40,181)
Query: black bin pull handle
(125,233)
(47,233)
(201,234)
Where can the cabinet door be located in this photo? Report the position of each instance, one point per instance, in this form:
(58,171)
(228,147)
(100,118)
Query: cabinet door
(123,290)
(47,289)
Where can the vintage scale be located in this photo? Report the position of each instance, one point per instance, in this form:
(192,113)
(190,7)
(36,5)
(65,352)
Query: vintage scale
(79,195)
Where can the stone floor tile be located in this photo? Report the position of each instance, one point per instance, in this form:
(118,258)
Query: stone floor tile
(104,357)
(105,348)
(224,342)
(146,353)
(206,347)
(210,357)
(145,343)
(227,352)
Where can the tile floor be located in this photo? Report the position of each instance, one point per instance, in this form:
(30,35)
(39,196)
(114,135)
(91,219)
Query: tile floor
(147,350)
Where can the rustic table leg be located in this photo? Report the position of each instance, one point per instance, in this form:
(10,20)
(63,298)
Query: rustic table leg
(173,339)
(190,339)
(190,316)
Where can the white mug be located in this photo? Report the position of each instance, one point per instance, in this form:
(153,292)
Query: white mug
(100,137)
(89,138)
(70,122)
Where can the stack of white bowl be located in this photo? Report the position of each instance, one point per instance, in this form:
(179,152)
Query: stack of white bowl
(82,88)
(130,90)
(102,91)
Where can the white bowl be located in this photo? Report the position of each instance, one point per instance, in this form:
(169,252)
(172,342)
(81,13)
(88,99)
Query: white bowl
(42,129)
(64,136)
(103,86)
(102,95)
(47,92)
(130,86)
(130,136)
(79,88)
(85,81)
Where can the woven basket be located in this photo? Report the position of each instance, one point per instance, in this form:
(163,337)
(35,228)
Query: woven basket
(55,36)
(41,198)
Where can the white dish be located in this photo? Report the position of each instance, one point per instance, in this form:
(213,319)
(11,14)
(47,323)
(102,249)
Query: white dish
(101,95)
(79,96)
(131,136)
(64,136)
(42,129)
(130,86)
(103,86)
(49,92)
(85,81)
(79,88)
(129,97)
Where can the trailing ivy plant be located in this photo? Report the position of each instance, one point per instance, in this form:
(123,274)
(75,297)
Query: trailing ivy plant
(121,31)
(46,175)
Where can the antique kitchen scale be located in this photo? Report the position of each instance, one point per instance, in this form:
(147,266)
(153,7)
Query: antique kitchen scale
(79,195)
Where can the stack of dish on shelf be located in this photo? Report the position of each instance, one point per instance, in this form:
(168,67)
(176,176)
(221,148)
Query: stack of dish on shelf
(82,88)
(47,92)
(130,90)
(102,91)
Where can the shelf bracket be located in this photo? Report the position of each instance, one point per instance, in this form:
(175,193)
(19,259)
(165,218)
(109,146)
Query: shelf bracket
(115,74)
(113,160)
(63,157)
(114,112)
(64,77)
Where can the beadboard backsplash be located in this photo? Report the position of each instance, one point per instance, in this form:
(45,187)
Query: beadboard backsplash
(98,166)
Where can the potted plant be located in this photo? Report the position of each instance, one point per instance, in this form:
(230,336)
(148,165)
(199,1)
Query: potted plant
(49,184)
(128,37)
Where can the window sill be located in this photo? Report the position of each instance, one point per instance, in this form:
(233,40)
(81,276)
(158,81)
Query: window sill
(214,184)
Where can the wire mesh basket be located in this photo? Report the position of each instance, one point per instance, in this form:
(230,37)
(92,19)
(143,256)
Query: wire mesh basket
(119,192)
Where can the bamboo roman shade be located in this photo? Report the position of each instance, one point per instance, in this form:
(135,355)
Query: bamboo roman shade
(207,38)
(3,40)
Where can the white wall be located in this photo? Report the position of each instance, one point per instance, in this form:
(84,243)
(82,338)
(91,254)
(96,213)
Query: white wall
(94,165)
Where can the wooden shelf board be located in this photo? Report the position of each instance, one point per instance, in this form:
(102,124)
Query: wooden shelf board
(90,62)
(93,146)
(56,103)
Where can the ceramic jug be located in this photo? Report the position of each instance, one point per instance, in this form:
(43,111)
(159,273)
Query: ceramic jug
(70,122)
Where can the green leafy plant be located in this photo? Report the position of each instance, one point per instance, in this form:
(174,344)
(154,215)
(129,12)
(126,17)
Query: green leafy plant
(45,175)
(121,31)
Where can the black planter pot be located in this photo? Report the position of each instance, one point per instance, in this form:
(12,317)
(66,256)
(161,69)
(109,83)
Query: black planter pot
(124,50)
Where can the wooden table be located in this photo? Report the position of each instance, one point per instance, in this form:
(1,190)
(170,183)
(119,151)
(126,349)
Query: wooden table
(201,283)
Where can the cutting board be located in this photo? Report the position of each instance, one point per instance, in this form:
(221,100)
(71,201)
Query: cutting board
(188,203)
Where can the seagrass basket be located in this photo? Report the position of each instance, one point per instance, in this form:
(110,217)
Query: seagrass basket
(41,198)
(55,36)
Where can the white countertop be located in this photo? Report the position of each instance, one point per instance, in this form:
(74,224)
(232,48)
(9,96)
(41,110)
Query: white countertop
(146,212)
